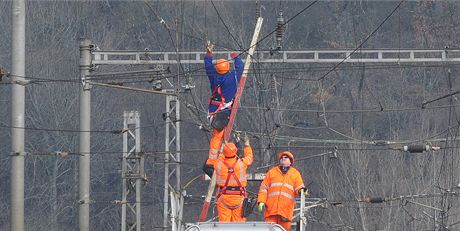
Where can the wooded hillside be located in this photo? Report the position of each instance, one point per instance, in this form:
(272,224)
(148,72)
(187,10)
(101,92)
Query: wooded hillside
(368,111)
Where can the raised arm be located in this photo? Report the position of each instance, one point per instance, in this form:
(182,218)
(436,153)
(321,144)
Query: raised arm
(248,156)
(209,67)
(239,65)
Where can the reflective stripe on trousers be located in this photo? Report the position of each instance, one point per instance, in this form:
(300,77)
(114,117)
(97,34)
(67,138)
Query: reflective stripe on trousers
(228,206)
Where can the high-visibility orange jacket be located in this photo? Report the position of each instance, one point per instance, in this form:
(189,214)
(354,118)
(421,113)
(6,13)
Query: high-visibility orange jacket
(230,201)
(221,169)
(278,192)
(214,146)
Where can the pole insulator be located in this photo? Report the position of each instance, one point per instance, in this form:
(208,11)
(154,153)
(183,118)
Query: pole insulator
(416,148)
(374,200)
(3,72)
(257,10)
(279,29)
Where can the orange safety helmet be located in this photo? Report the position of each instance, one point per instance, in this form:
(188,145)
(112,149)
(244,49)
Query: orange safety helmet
(287,153)
(222,66)
(230,150)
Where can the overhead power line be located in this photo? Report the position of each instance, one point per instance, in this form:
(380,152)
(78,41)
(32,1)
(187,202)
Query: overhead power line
(439,98)
(362,43)
(357,141)
(351,111)
(180,66)
(148,75)
(247,49)
(114,131)
(225,25)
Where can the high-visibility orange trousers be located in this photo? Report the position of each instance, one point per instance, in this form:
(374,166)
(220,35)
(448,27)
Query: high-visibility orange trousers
(214,145)
(230,208)
(277,219)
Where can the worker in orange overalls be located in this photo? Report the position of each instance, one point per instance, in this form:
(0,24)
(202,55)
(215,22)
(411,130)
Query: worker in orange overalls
(231,181)
(223,83)
(278,190)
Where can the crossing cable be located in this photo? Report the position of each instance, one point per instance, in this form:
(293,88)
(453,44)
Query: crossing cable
(366,86)
(269,34)
(362,43)
(226,27)
(259,83)
(385,202)
(287,21)
(315,111)
(60,130)
(368,142)
(317,68)
(277,70)
(115,131)
(269,70)
(202,107)
(181,67)
(162,21)
(380,109)
(38,80)
(445,201)
(147,153)
(35,80)
(274,91)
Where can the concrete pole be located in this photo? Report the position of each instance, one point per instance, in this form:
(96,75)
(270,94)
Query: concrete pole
(85,127)
(17,116)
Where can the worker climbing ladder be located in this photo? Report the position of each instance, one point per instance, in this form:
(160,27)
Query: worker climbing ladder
(228,128)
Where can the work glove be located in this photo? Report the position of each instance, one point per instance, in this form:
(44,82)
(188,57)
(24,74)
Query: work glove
(246,139)
(261,206)
(237,137)
(233,55)
(306,192)
(209,46)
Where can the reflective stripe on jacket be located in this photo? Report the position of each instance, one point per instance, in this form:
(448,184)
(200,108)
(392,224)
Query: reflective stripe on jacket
(278,191)
(240,168)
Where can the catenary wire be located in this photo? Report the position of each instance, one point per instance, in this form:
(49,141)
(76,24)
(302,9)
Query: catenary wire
(364,41)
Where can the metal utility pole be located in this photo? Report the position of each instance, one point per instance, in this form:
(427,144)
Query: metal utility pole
(132,172)
(302,216)
(305,206)
(177,205)
(85,128)
(172,160)
(172,140)
(17,115)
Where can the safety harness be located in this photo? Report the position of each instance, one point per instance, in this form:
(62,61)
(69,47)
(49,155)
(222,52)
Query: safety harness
(231,190)
(219,100)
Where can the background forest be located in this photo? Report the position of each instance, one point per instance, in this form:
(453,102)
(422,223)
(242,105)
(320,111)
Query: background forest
(367,111)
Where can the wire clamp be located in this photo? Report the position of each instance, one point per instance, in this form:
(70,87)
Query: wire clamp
(18,153)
